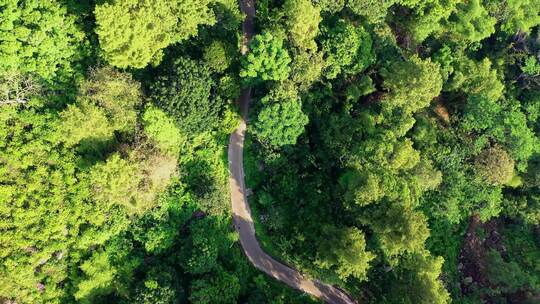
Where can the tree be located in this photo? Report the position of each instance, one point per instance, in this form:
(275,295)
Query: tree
(133,33)
(470,22)
(217,56)
(427,17)
(185,92)
(516,15)
(132,183)
(203,248)
(347,48)
(222,288)
(398,229)
(480,113)
(418,281)
(155,293)
(475,77)
(495,165)
(302,22)
(37,37)
(281,121)
(53,200)
(531,66)
(105,104)
(373,10)
(330,6)
(514,133)
(86,124)
(16,88)
(412,84)
(306,68)
(116,93)
(163,131)
(348,256)
(99,276)
(267,60)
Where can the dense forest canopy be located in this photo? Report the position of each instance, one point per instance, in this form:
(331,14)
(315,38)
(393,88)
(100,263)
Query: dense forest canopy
(393,149)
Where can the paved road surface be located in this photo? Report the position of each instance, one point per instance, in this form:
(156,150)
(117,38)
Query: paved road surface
(240,208)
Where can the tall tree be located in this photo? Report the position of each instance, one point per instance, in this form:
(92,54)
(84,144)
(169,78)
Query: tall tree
(412,84)
(185,90)
(280,122)
(347,48)
(266,60)
(373,10)
(302,22)
(37,37)
(470,22)
(495,165)
(133,33)
(348,256)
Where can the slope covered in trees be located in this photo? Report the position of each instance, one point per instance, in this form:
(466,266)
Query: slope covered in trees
(393,149)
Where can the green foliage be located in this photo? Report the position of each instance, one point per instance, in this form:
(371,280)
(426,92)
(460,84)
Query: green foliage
(46,211)
(218,56)
(306,68)
(266,60)
(117,93)
(427,17)
(399,230)
(87,124)
(347,48)
(444,57)
(516,15)
(134,33)
(219,288)
(476,78)
(331,6)
(92,210)
(363,87)
(480,113)
(281,121)
(162,129)
(495,166)
(418,281)
(302,22)
(229,87)
(185,91)
(100,276)
(131,183)
(516,136)
(37,37)
(348,256)
(470,22)
(106,103)
(412,84)
(509,276)
(373,10)
(531,66)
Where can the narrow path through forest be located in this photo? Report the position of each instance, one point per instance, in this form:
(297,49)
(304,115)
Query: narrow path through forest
(243,221)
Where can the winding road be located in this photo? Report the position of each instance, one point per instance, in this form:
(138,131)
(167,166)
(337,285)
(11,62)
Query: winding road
(243,221)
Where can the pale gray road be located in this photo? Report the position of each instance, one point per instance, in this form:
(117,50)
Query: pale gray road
(240,208)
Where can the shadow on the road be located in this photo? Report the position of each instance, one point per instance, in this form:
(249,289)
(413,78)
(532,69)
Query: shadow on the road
(282,272)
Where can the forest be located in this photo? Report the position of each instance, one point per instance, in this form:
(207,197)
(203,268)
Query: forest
(392,150)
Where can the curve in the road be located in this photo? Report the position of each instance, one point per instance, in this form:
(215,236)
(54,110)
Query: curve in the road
(243,221)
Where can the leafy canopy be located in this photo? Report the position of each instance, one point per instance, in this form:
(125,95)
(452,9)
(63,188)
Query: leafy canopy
(133,33)
(185,91)
(281,120)
(412,84)
(37,37)
(347,48)
(302,22)
(267,60)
